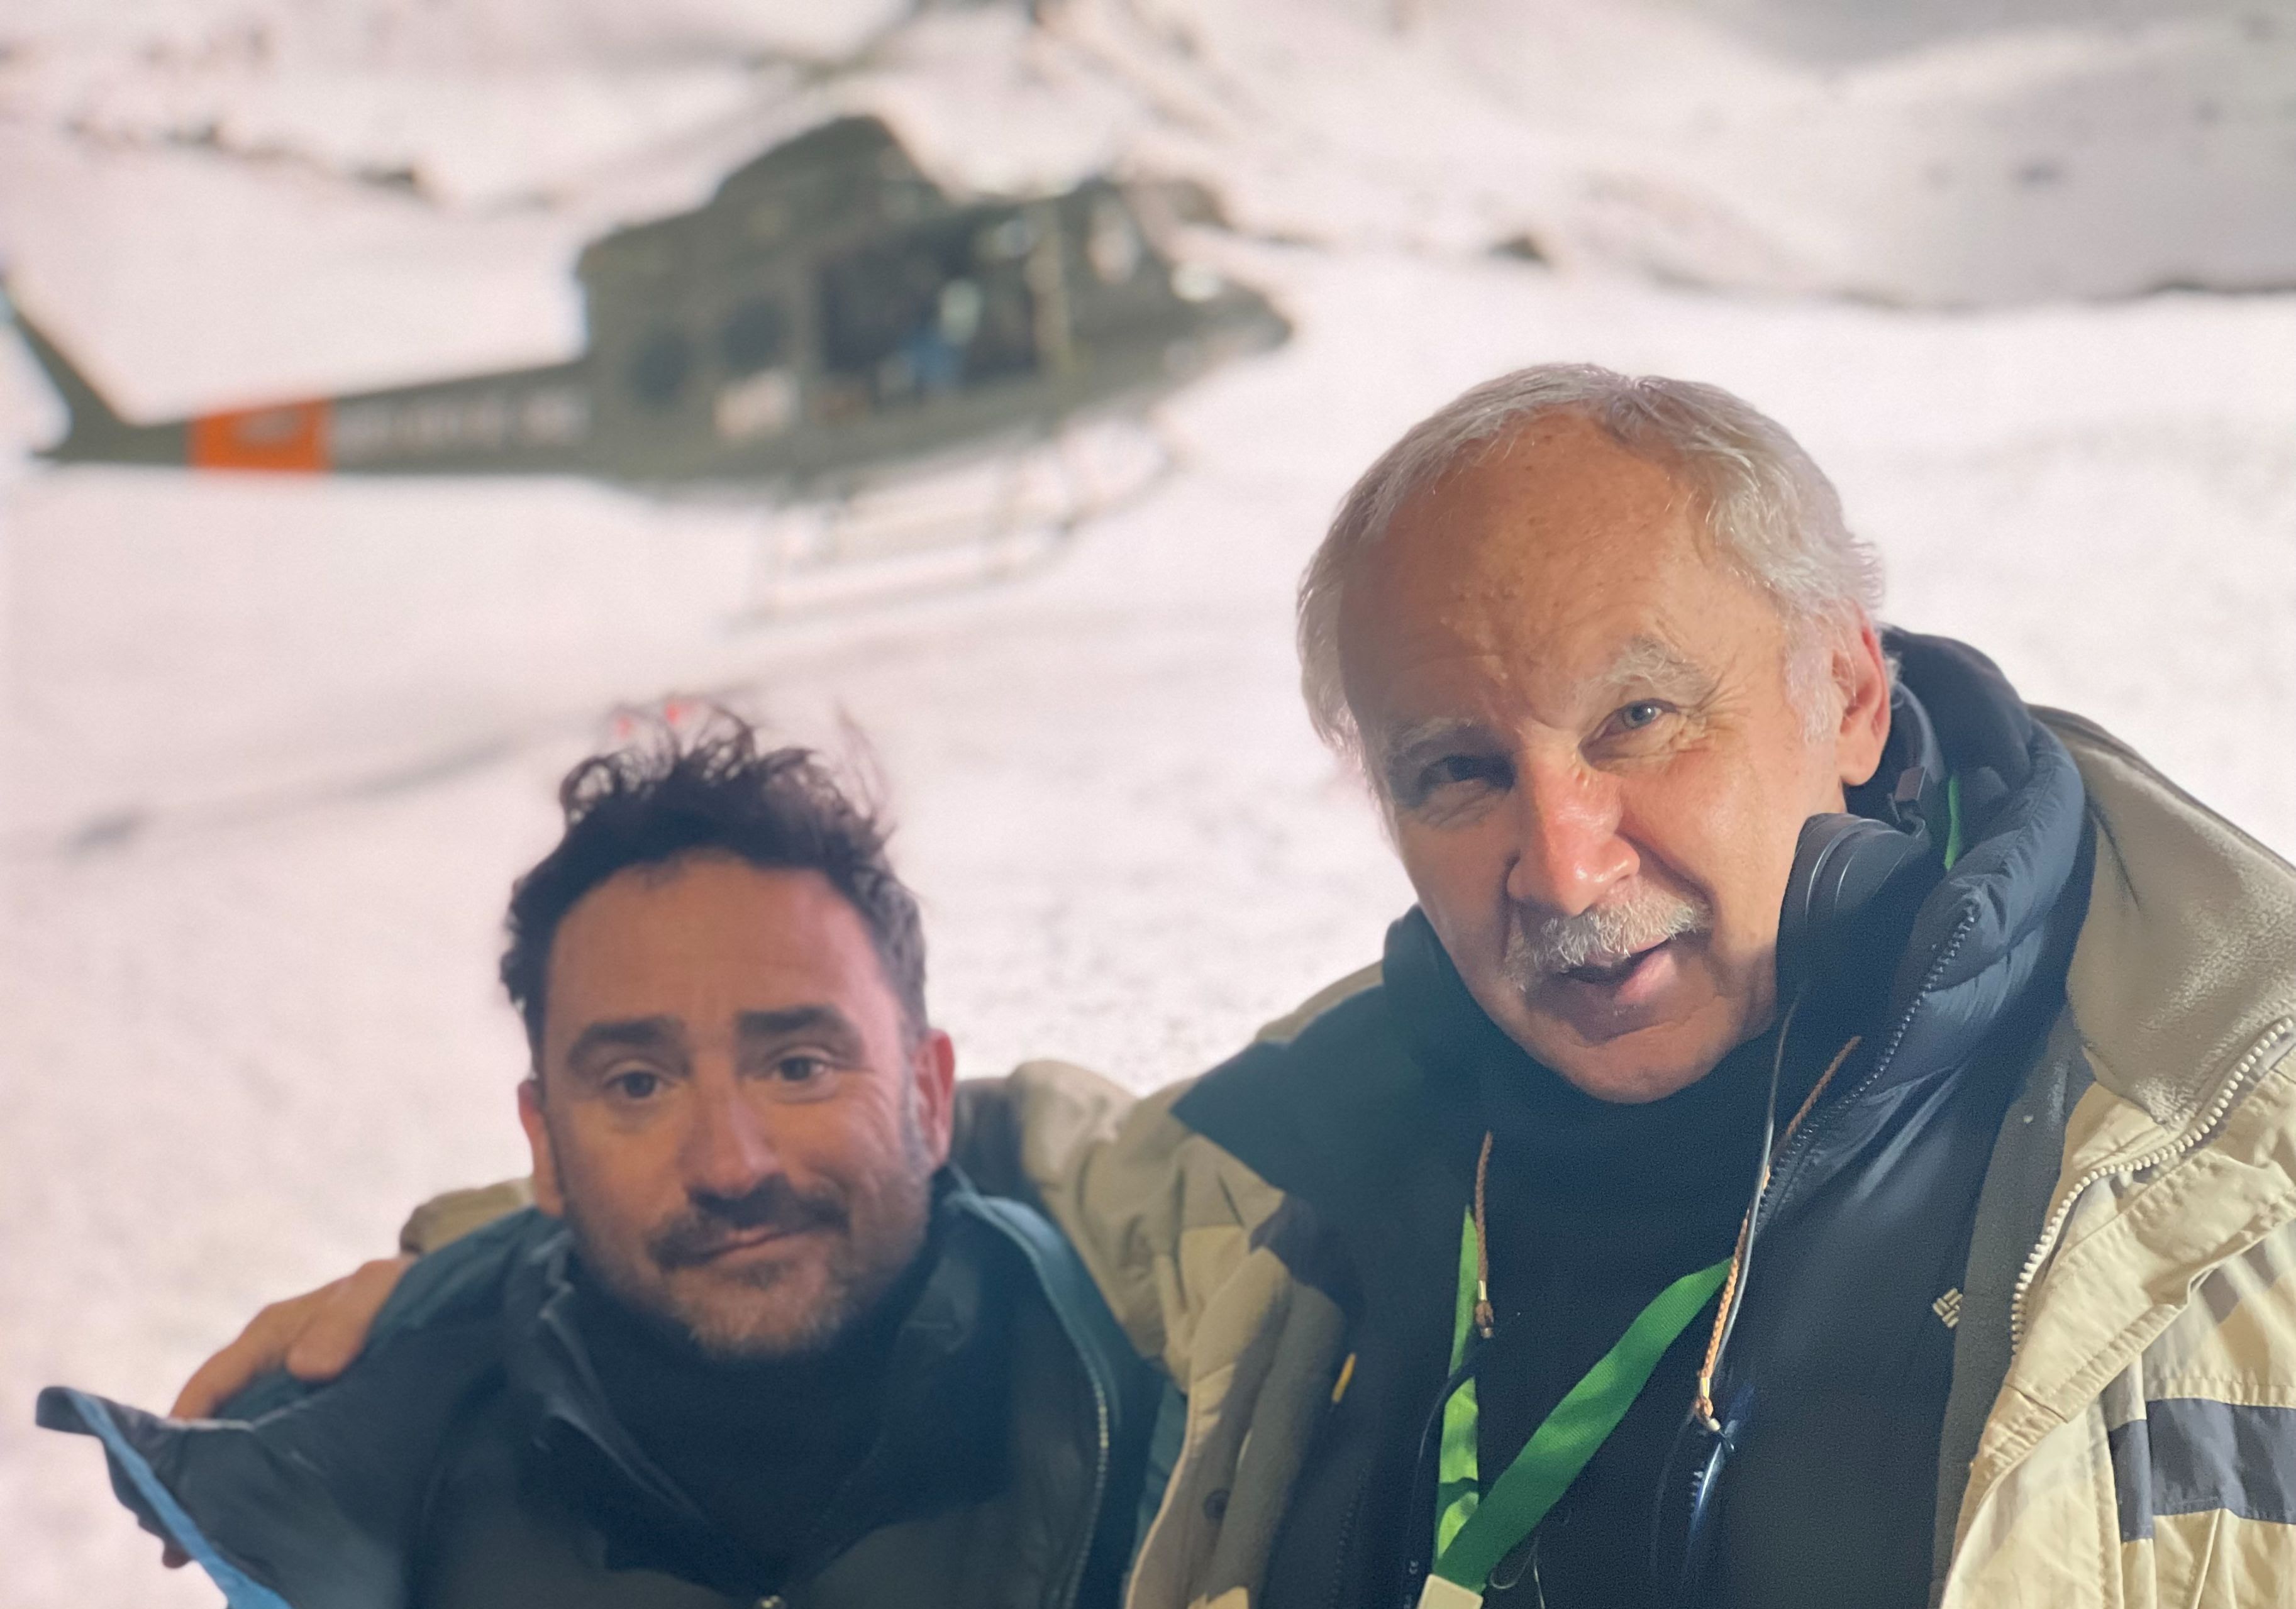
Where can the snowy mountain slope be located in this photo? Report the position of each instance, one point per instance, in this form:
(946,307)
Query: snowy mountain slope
(2037,156)
(274,750)
(1934,153)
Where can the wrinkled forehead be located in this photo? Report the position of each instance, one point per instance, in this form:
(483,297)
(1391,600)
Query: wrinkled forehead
(1553,556)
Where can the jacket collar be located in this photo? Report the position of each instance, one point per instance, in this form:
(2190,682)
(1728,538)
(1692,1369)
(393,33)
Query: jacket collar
(2187,964)
(1997,925)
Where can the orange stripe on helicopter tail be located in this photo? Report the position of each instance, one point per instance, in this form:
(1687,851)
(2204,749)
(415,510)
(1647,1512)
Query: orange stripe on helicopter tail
(290,438)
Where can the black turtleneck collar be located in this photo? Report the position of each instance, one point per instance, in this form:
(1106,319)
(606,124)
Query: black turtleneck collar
(761,1447)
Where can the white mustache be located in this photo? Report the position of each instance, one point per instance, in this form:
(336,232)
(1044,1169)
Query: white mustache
(1539,947)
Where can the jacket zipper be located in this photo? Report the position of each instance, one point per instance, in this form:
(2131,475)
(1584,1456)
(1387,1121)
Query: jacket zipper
(1346,1542)
(1429,1440)
(1802,1142)
(1780,1173)
(1102,1416)
(2226,1098)
(1099,1490)
(1103,1413)
(1102,1453)
(2198,1131)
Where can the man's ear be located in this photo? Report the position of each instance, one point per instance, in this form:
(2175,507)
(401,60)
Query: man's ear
(1861,681)
(933,1065)
(547,1193)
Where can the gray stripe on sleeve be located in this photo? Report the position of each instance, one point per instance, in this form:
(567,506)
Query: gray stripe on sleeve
(2194,1455)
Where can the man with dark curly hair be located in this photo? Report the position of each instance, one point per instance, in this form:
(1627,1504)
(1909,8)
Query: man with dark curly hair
(758,1343)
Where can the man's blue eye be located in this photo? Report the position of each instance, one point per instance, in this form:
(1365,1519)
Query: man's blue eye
(1640,714)
(636,1086)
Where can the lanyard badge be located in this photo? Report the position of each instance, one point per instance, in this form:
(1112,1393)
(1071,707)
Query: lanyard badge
(1476,1528)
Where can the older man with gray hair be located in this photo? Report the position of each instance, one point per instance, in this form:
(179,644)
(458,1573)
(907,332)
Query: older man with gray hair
(1825,1136)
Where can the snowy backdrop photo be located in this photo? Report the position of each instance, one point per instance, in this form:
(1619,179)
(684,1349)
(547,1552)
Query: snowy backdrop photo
(2020,273)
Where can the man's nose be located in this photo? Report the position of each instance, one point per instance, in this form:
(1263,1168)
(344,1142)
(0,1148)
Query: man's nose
(728,1150)
(1567,853)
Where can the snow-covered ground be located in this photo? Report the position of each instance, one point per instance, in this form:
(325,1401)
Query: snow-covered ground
(274,750)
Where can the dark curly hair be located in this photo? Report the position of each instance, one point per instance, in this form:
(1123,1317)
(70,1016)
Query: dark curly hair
(670,795)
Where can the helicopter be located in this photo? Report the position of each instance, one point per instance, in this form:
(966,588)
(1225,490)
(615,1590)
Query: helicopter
(828,318)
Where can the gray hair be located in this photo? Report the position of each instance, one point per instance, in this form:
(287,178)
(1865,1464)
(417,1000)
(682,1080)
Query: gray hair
(1771,511)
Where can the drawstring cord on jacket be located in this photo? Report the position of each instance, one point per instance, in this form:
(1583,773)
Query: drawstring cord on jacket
(1725,1315)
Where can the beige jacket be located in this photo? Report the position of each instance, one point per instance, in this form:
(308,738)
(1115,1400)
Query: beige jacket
(2141,1447)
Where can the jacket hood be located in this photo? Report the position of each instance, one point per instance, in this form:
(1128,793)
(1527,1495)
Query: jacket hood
(1997,921)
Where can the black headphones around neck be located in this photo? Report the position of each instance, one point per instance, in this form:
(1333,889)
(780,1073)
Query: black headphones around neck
(1848,865)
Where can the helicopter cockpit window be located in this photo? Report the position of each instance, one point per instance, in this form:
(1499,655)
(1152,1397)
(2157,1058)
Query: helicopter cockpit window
(753,337)
(659,371)
(932,310)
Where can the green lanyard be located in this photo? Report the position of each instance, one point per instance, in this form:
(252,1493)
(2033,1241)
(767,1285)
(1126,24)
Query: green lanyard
(1475,1529)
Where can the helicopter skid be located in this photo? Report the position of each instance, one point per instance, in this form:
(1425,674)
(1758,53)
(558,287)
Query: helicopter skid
(968,524)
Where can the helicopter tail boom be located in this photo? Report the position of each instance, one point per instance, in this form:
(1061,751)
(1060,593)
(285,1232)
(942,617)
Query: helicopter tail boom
(94,431)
